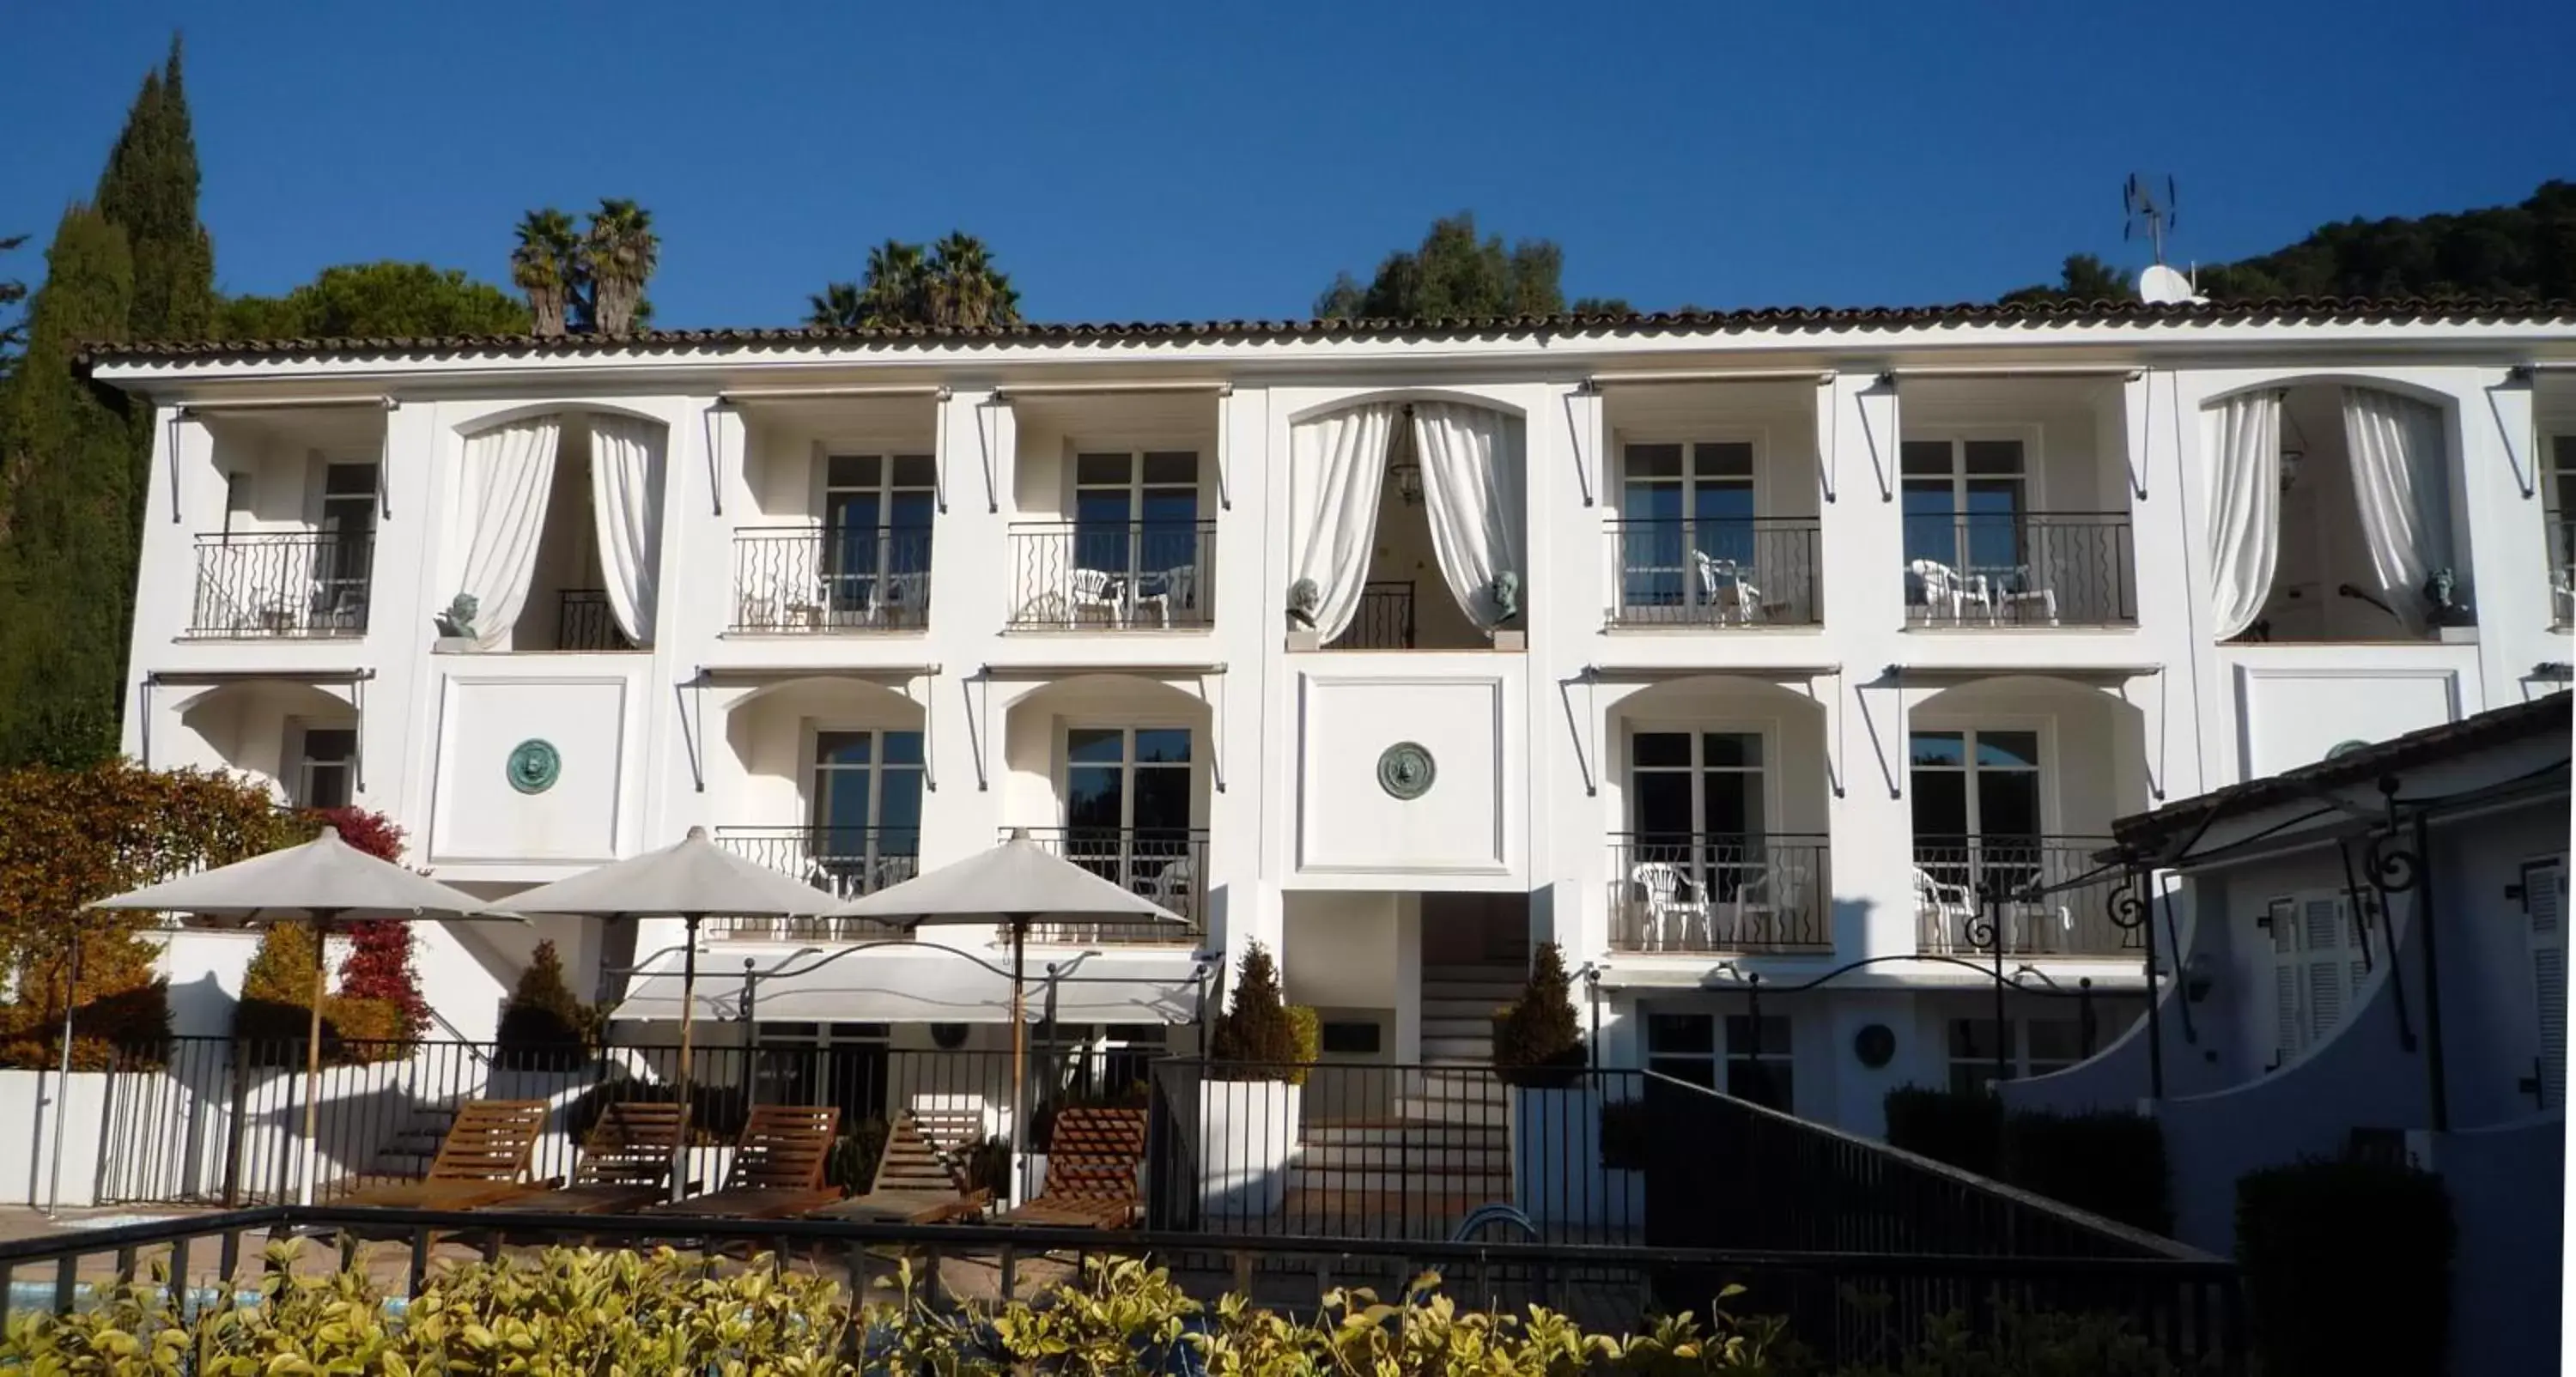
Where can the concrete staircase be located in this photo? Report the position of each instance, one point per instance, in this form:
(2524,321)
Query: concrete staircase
(415,1145)
(1458,1004)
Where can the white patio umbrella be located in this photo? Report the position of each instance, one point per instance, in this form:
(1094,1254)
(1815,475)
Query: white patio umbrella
(324,881)
(1017,883)
(687,880)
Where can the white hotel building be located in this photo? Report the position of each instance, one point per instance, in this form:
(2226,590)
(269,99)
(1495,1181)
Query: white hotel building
(1825,621)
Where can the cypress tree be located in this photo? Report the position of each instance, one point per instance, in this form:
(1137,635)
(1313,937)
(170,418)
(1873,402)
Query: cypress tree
(67,545)
(149,190)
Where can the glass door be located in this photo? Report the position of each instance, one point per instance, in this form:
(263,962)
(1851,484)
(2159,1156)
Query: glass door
(1965,504)
(1696,803)
(1977,807)
(1127,802)
(876,536)
(1688,521)
(866,792)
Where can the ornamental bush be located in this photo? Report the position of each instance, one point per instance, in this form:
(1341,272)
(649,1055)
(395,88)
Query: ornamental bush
(1263,1038)
(543,1027)
(275,1012)
(1536,1043)
(577,1311)
(2347,1266)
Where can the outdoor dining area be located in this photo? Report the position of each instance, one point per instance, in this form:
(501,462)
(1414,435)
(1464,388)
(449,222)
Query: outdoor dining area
(643,1141)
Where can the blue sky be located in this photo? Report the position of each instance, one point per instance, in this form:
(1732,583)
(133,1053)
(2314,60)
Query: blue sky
(1132,161)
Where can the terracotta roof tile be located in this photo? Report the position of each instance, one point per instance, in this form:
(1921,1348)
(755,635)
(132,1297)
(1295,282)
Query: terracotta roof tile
(2302,310)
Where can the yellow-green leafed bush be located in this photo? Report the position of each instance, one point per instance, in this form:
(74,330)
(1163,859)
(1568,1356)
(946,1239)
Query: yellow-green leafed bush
(629,1314)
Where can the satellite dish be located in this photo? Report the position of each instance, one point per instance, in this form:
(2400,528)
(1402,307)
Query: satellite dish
(2163,286)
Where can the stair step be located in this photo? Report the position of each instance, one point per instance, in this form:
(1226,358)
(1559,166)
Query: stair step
(1324,1135)
(1373,1157)
(1478,1112)
(1426,1184)
(1457,1026)
(1458,1049)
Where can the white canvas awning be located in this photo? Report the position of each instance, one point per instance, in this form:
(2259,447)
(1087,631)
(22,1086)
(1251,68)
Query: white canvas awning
(894,985)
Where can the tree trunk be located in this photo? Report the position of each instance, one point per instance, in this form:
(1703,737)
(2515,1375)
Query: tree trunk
(616,305)
(546,308)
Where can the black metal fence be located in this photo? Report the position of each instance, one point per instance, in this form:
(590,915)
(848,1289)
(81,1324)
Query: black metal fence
(303,584)
(1726,1173)
(584,621)
(1746,571)
(1144,575)
(2054,897)
(811,579)
(1384,620)
(220,1120)
(2017,569)
(1711,892)
(1165,865)
(1377,1150)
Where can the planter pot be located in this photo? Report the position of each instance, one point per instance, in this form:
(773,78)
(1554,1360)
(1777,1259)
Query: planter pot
(27,1104)
(1247,1134)
(1556,1155)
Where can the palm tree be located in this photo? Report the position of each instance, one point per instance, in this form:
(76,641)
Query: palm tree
(965,291)
(895,288)
(622,251)
(839,306)
(545,266)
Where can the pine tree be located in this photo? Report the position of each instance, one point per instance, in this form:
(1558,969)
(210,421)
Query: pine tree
(543,1026)
(67,502)
(149,190)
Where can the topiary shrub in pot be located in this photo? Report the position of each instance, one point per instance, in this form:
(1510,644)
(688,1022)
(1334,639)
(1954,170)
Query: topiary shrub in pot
(1253,1097)
(1557,1177)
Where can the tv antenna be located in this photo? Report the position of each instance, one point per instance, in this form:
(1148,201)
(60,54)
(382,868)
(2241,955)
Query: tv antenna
(2148,212)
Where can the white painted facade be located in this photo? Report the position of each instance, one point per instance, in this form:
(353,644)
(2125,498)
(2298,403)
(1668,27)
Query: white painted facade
(2127,699)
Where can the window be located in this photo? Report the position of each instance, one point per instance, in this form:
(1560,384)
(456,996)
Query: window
(876,520)
(348,539)
(2319,961)
(1136,514)
(2558,508)
(1964,503)
(1350,1037)
(838,1064)
(1977,806)
(1680,502)
(1127,814)
(2544,910)
(866,797)
(1695,800)
(2039,1046)
(1756,1057)
(326,767)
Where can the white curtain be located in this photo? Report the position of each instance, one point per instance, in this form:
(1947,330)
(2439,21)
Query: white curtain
(625,497)
(2395,445)
(1336,465)
(508,472)
(2244,509)
(1472,485)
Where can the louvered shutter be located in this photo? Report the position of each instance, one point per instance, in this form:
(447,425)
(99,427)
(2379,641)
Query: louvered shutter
(2328,979)
(2544,904)
(2285,982)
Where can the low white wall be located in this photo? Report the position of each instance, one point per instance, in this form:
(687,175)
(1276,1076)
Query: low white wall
(28,1105)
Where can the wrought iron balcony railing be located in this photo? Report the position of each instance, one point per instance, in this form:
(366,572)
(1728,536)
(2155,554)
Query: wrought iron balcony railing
(1760,571)
(301,584)
(584,621)
(1384,620)
(2037,896)
(1718,892)
(844,862)
(2010,569)
(804,580)
(1123,576)
(1165,865)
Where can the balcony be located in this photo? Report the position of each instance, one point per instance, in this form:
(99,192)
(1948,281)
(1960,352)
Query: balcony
(1741,572)
(584,621)
(801,580)
(1384,620)
(2052,897)
(1165,865)
(844,862)
(1718,894)
(1138,576)
(1979,571)
(301,584)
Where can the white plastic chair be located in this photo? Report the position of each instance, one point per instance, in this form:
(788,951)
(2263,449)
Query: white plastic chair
(1095,588)
(1724,586)
(1945,908)
(1170,887)
(1669,902)
(1944,586)
(1173,585)
(2026,592)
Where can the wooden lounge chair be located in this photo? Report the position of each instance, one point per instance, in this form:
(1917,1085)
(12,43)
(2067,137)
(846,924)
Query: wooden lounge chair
(777,1168)
(1094,1160)
(482,1160)
(914,1184)
(625,1163)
